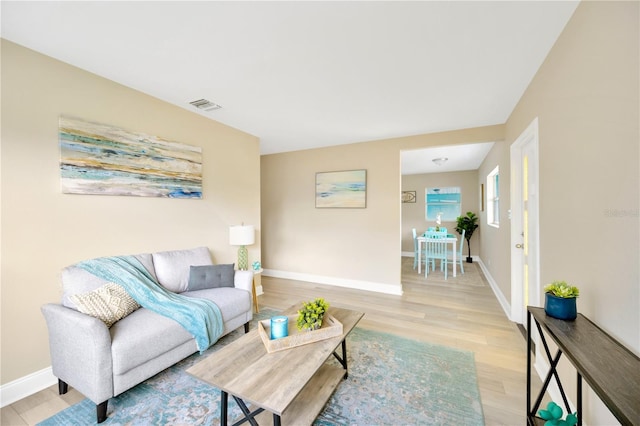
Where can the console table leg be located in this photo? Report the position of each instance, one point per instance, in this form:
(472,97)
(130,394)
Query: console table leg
(276,420)
(579,392)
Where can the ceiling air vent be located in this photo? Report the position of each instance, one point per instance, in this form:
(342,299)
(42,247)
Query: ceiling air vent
(205,105)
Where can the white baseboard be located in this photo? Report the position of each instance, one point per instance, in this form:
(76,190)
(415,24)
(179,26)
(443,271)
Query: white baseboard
(25,386)
(338,282)
(506,305)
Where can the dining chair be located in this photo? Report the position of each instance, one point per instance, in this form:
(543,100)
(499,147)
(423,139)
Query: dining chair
(436,249)
(415,250)
(459,252)
(431,232)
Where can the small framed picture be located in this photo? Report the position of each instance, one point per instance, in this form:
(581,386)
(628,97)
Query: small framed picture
(408,196)
(344,189)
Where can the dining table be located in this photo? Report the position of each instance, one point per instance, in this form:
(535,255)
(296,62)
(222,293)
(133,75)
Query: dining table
(450,239)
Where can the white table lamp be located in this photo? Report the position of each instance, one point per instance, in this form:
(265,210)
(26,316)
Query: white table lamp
(243,236)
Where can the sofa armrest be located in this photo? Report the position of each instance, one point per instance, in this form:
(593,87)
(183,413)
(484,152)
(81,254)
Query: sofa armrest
(80,347)
(243,280)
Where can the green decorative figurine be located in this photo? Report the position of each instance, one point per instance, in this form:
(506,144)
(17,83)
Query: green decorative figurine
(553,416)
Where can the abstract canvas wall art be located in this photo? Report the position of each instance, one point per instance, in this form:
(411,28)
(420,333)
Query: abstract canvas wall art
(102,159)
(345,189)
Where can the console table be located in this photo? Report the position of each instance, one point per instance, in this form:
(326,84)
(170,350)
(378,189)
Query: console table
(610,369)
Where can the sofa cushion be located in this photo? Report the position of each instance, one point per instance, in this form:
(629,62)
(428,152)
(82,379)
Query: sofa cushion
(108,303)
(78,281)
(210,276)
(143,336)
(231,301)
(173,267)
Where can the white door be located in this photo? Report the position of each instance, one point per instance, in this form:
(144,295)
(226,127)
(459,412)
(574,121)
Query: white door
(525,268)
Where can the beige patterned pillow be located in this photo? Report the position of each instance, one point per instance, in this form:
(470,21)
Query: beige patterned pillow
(108,303)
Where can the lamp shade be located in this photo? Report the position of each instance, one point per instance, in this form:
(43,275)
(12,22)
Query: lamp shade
(242,235)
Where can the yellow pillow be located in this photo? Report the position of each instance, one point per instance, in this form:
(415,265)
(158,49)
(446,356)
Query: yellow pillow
(109,303)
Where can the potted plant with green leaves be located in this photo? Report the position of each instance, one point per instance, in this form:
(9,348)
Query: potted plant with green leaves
(560,300)
(311,315)
(467,223)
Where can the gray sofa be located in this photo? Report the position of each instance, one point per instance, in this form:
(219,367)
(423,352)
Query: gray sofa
(102,362)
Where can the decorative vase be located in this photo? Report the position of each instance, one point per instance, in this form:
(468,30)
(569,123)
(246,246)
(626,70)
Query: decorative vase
(563,308)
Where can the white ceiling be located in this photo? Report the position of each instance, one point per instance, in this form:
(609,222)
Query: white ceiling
(459,158)
(302,75)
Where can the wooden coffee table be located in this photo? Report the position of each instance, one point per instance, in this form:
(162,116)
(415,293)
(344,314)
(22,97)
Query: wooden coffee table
(293,384)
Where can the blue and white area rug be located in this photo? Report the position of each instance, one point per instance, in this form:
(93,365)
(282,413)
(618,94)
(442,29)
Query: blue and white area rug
(392,381)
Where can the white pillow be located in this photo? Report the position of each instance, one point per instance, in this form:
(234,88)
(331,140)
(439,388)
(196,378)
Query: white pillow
(173,267)
(109,303)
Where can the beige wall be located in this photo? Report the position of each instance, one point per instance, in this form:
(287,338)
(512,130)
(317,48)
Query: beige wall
(361,246)
(44,230)
(413,214)
(586,96)
(494,245)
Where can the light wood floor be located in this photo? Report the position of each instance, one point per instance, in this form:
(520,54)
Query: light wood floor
(461,313)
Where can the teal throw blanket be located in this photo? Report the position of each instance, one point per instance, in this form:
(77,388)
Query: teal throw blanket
(200,317)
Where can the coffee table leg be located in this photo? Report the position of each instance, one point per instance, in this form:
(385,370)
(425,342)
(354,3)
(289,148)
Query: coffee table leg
(276,420)
(224,398)
(344,358)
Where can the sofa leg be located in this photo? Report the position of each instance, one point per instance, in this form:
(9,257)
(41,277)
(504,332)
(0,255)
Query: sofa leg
(62,387)
(101,411)
(246,327)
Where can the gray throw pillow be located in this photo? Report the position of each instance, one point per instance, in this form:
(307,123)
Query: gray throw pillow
(210,276)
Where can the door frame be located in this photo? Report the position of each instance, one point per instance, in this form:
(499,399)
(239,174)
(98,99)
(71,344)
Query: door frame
(528,138)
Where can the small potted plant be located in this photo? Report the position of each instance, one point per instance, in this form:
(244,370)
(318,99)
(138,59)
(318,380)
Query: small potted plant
(560,300)
(468,224)
(311,315)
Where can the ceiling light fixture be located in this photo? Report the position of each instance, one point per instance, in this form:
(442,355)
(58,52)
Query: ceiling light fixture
(205,105)
(440,161)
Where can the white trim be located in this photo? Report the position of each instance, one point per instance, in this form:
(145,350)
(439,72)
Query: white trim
(492,198)
(338,282)
(25,386)
(528,138)
(504,302)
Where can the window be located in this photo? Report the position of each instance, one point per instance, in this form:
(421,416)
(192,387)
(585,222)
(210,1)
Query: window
(493,198)
(445,201)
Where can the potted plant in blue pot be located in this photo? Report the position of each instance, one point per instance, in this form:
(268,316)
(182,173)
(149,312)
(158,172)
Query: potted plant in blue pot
(560,300)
